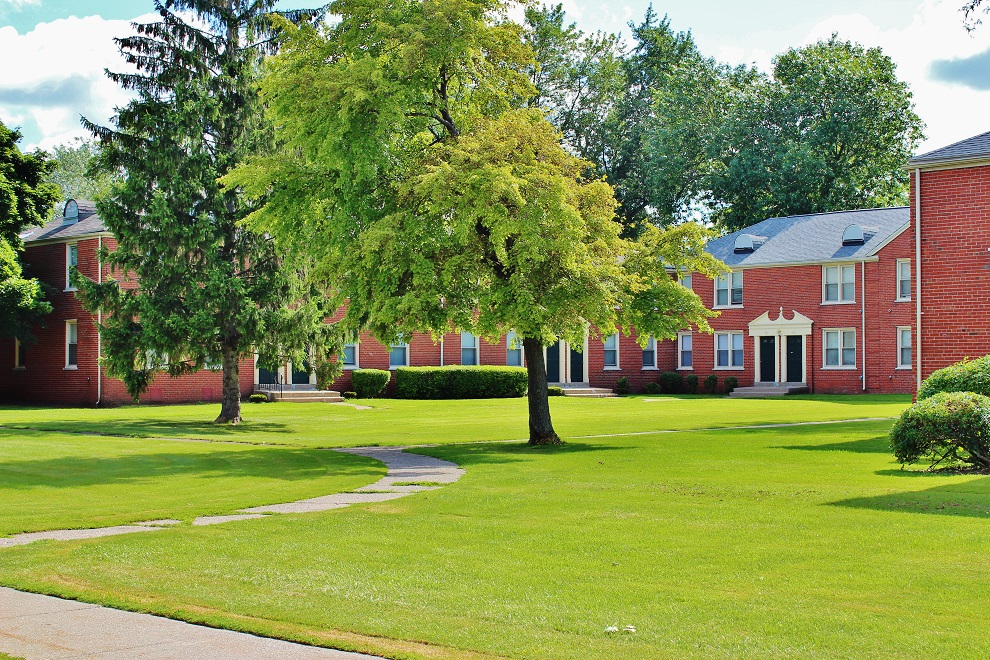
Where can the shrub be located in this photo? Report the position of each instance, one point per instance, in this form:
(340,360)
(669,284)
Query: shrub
(691,383)
(731,383)
(622,386)
(651,388)
(369,383)
(965,376)
(555,390)
(671,382)
(948,427)
(349,395)
(711,383)
(258,397)
(456,382)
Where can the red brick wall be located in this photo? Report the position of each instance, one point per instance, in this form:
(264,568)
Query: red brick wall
(955,265)
(884,314)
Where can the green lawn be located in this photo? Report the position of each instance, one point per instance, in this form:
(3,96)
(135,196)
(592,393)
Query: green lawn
(803,541)
(60,481)
(398,422)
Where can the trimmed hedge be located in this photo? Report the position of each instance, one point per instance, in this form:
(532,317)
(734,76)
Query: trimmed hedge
(965,376)
(651,388)
(731,383)
(622,386)
(555,390)
(951,427)
(258,397)
(691,382)
(456,382)
(370,383)
(671,382)
(711,383)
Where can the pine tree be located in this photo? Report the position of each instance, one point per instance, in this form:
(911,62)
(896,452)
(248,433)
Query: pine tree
(195,287)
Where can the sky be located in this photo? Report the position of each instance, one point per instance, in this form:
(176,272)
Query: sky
(53,52)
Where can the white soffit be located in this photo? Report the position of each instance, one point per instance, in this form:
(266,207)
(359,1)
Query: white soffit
(762,326)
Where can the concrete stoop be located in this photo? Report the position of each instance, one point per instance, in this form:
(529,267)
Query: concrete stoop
(589,392)
(305,396)
(768,390)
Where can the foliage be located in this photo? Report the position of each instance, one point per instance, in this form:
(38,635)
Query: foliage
(671,382)
(457,382)
(555,390)
(652,388)
(711,383)
(622,386)
(947,427)
(965,376)
(211,290)
(349,395)
(258,397)
(731,383)
(370,383)
(970,11)
(830,130)
(25,199)
(691,383)
(433,201)
(77,173)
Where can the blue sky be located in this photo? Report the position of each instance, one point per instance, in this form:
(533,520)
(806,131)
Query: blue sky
(62,46)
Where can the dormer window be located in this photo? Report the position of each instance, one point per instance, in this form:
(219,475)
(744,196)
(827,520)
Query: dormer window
(853,235)
(743,244)
(71,213)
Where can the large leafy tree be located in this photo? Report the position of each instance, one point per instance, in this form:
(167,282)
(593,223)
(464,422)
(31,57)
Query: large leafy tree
(208,290)
(25,199)
(73,172)
(433,201)
(830,130)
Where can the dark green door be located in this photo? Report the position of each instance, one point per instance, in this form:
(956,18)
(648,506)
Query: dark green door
(768,359)
(266,377)
(577,367)
(553,362)
(300,377)
(795,359)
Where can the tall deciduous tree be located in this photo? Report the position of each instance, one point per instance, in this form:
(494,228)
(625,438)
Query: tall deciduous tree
(208,290)
(435,203)
(25,199)
(73,172)
(830,130)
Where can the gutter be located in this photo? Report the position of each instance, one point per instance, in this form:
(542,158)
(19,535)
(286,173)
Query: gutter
(99,331)
(917,271)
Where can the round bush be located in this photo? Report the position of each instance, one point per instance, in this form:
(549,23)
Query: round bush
(258,397)
(555,390)
(622,386)
(691,383)
(731,383)
(671,382)
(965,376)
(711,383)
(947,427)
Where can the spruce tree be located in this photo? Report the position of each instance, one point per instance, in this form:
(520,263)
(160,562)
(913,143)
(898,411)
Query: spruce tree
(192,287)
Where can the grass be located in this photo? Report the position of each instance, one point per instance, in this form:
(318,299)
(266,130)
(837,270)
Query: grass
(61,481)
(398,422)
(804,541)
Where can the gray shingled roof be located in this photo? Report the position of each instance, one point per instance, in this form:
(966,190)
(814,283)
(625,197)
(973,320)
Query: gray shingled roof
(968,149)
(813,238)
(88,223)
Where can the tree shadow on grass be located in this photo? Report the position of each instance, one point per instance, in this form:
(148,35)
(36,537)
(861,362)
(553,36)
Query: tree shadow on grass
(970,499)
(281,465)
(160,428)
(877,445)
(510,452)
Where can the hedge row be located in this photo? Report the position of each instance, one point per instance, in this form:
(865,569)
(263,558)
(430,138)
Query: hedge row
(457,382)
(369,383)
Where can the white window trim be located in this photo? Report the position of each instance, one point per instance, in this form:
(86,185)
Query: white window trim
(897,282)
(900,365)
(68,250)
(393,367)
(71,367)
(715,366)
(17,354)
(840,301)
(477,351)
(357,357)
(742,286)
(509,336)
(654,367)
(681,367)
(840,366)
(618,356)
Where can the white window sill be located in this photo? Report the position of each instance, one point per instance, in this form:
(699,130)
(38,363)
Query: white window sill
(72,367)
(728,368)
(835,368)
(728,307)
(394,367)
(351,367)
(838,302)
(902,300)
(905,368)
(20,368)
(685,368)
(611,368)
(650,369)
(69,289)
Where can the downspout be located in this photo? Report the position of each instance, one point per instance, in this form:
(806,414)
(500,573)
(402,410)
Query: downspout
(99,322)
(862,312)
(811,358)
(917,269)
(441,351)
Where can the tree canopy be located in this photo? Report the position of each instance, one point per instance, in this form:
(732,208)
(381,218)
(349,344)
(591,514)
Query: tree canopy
(434,200)
(74,172)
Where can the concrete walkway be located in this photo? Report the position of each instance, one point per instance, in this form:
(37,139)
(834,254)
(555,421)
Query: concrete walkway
(46,628)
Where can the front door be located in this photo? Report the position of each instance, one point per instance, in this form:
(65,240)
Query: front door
(553,362)
(577,367)
(768,359)
(266,377)
(795,359)
(300,376)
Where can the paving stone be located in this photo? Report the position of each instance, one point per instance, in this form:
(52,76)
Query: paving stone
(73,534)
(216,520)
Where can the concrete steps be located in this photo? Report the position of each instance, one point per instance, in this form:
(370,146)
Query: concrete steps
(305,396)
(768,390)
(589,392)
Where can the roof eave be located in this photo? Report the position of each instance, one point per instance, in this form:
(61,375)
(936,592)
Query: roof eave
(947,163)
(67,239)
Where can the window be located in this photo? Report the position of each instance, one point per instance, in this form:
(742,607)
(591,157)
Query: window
(686,280)
(71,261)
(729,289)
(612,351)
(350,356)
(650,354)
(18,354)
(398,356)
(904,348)
(729,350)
(904,279)
(513,350)
(71,345)
(685,351)
(840,284)
(469,348)
(840,348)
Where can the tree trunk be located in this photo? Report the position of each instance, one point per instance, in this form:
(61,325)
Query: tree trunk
(230,399)
(540,427)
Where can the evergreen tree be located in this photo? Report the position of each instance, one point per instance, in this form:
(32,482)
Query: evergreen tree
(197,288)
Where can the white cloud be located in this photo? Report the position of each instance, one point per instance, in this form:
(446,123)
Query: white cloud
(17,4)
(59,76)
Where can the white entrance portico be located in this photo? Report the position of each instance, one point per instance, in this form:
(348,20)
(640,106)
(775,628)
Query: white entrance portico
(780,348)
